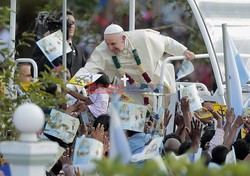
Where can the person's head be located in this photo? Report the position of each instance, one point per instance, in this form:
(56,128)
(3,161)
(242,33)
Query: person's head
(103,80)
(219,154)
(242,147)
(184,147)
(114,38)
(72,27)
(172,145)
(103,120)
(206,138)
(171,135)
(24,70)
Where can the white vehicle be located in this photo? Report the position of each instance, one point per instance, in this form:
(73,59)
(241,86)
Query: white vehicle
(210,15)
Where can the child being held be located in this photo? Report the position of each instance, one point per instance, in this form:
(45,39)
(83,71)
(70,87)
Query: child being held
(96,103)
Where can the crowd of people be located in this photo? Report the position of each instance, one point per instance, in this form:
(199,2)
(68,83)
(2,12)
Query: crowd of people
(137,55)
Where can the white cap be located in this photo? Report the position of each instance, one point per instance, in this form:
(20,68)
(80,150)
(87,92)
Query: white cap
(113,29)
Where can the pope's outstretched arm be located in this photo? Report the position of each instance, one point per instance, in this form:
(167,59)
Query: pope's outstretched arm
(95,63)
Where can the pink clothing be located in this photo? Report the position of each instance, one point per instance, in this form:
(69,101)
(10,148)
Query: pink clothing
(217,139)
(100,101)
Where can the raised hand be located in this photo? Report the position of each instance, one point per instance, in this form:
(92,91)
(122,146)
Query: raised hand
(98,133)
(105,144)
(149,126)
(195,132)
(230,115)
(167,117)
(239,121)
(185,106)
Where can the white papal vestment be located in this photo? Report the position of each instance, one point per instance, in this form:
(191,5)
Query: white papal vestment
(151,47)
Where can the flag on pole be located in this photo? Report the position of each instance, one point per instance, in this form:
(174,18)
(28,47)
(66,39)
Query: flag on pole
(235,77)
(242,71)
(119,146)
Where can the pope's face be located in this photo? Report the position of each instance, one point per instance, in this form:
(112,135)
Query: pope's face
(115,42)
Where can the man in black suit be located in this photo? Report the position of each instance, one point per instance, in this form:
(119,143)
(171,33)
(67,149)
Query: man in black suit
(75,58)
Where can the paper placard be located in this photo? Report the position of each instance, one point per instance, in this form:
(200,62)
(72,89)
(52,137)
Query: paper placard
(187,67)
(51,45)
(83,77)
(62,126)
(86,150)
(192,94)
(133,116)
(150,151)
(55,159)
(203,113)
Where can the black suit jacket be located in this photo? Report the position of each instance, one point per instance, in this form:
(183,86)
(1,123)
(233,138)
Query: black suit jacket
(75,59)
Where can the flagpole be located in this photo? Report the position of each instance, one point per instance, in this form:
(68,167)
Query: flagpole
(132,15)
(225,49)
(12,28)
(64,30)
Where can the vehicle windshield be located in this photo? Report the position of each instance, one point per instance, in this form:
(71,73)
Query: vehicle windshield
(236,14)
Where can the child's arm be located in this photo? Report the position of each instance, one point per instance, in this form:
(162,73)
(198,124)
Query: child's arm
(81,97)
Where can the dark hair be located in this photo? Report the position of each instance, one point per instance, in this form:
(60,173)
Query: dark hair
(103,120)
(103,80)
(184,147)
(242,147)
(171,135)
(51,88)
(219,154)
(247,137)
(60,14)
(206,137)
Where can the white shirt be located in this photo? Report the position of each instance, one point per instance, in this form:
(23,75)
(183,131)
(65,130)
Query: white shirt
(100,101)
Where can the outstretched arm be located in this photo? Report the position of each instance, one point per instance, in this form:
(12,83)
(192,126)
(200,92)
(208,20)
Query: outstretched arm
(238,122)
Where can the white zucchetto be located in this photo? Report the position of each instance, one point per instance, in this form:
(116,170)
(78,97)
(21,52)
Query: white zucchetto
(113,29)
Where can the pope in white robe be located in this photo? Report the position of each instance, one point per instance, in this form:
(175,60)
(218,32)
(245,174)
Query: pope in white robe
(151,47)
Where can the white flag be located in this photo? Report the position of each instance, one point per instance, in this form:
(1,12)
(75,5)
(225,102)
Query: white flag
(235,98)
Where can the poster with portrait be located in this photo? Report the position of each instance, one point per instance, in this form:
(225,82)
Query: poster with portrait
(86,150)
(62,126)
(51,45)
(203,113)
(133,116)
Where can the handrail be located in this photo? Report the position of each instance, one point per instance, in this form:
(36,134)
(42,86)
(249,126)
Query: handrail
(35,69)
(203,86)
(172,58)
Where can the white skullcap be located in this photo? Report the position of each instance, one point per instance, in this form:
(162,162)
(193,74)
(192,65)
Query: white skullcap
(113,29)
